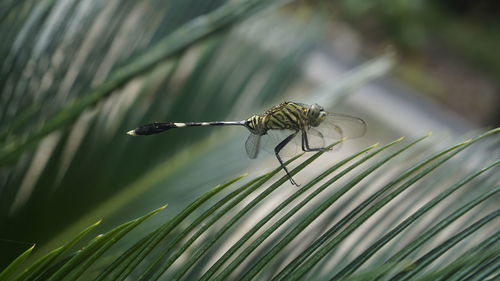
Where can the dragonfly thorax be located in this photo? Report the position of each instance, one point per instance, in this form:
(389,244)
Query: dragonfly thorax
(287,116)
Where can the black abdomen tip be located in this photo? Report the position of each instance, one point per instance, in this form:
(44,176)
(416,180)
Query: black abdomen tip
(151,129)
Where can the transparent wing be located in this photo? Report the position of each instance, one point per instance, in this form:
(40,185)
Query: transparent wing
(315,138)
(252,145)
(274,137)
(318,140)
(337,126)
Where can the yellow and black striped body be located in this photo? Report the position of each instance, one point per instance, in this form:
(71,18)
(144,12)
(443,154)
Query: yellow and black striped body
(285,116)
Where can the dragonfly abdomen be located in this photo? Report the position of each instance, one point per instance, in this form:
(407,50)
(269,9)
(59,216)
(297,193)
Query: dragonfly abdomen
(155,128)
(257,125)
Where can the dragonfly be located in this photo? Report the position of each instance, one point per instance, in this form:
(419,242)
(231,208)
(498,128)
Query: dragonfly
(292,123)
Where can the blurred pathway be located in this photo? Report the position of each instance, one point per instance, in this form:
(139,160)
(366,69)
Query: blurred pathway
(389,101)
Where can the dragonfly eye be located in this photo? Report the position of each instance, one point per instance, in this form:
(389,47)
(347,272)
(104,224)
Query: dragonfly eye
(315,115)
(314,110)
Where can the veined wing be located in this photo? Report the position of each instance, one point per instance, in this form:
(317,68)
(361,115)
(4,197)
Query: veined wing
(274,137)
(338,126)
(294,147)
(315,138)
(252,145)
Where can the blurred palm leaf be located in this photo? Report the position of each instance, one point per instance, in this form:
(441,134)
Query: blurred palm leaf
(76,75)
(70,84)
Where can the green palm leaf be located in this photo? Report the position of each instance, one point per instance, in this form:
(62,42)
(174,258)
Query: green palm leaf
(76,76)
(156,265)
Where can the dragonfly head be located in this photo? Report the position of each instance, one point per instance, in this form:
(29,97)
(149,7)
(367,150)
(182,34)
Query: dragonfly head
(315,115)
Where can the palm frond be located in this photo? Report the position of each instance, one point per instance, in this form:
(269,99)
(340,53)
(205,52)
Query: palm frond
(55,131)
(154,255)
(76,75)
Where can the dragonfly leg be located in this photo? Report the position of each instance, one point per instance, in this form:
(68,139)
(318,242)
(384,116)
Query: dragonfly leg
(278,148)
(305,144)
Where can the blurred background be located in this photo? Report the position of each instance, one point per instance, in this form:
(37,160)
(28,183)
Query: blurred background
(75,76)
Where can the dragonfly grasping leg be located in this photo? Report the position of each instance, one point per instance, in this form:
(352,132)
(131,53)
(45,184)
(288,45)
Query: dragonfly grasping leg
(305,144)
(278,148)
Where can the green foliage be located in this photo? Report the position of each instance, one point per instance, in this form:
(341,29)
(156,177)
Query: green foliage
(75,77)
(416,25)
(15,265)
(224,217)
(55,132)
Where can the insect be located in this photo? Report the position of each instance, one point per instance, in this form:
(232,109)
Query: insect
(296,122)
